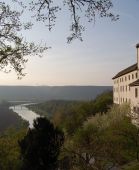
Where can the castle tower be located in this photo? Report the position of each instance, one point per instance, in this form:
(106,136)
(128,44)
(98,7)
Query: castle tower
(137,46)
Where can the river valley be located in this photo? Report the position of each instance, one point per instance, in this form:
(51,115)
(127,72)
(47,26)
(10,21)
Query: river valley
(25,113)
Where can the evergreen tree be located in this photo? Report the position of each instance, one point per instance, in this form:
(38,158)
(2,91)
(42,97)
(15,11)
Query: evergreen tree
(40,148)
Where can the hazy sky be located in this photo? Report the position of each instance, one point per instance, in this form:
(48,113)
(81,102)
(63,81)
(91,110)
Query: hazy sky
(107,48)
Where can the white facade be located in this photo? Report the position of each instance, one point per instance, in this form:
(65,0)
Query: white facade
(121,89)
(126,85)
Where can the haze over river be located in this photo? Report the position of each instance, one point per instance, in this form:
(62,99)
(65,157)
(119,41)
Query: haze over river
(25,113)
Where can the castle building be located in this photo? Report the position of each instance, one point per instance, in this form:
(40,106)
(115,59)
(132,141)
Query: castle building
(126,85)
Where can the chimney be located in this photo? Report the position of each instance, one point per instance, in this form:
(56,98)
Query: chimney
(137,46)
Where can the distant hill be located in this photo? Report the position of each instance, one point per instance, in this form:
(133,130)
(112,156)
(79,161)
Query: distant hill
(42,93)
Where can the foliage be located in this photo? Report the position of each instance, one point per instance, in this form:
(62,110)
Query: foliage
(103,102)
(80,113)
(51,107)
(9,149)
(10,119)
(131,166)
(13,47)
(105,141)
(46,11)
(40,148)
(70,115)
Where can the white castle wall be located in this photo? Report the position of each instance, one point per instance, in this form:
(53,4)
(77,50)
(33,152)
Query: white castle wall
(121,91)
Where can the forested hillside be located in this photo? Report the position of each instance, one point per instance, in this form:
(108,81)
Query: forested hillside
(43,93)
(68,107)
(83,135)
(10,119)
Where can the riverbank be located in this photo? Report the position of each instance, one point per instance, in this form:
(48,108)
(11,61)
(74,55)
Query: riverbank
(25,113)
(9,119)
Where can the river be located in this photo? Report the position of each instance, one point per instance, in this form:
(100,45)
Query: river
(25,113)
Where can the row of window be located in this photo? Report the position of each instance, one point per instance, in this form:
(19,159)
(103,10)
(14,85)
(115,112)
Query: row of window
(122,100)
(121,89)
(125,78)
(136,109)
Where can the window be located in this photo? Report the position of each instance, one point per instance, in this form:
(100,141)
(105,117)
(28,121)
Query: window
(136,75)
(136,92)
(129,77)
(132,76)
(125,78)
(129,88)
(134,109)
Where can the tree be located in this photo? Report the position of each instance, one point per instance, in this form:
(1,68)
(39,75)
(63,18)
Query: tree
(9,149)
(13,47)
(46,11)
(103,142)
(40,148)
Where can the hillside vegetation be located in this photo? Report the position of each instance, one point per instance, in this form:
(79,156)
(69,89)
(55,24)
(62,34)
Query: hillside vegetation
(98,136)
(10,119)
(43,93)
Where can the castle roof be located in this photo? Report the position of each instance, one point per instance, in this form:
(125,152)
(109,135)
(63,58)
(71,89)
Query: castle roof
(125,71)
(135,83)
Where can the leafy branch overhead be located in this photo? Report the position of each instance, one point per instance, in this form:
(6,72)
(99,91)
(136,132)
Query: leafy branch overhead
(46,11)
(13,47)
